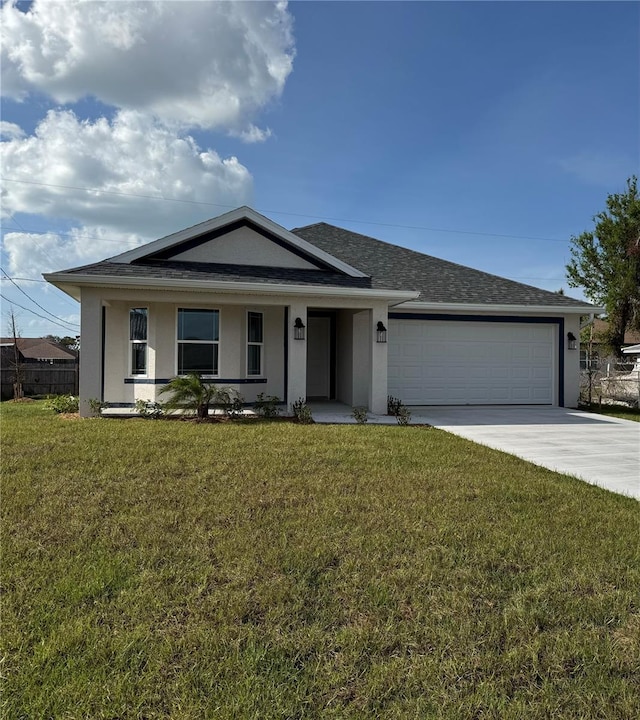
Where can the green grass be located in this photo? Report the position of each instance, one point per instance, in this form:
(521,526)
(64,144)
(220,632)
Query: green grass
(619,411)
(164,569)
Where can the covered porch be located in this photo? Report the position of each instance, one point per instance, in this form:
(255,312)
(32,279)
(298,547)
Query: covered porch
(326,346)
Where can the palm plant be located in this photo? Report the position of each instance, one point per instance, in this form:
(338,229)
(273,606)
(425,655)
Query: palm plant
(190,392)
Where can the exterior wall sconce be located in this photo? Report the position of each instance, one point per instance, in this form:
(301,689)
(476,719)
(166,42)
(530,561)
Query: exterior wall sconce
(571,341)
(381,333)
(298,329)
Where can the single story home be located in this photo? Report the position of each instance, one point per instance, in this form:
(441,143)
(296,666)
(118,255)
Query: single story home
(36,366)
(317,312)
(38,350)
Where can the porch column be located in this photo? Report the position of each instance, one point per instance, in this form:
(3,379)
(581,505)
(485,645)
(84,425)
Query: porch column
(378,361)
(91,349)
(297,359)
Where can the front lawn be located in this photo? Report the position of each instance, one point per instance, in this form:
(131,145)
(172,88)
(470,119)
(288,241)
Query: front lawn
(165,569)
(619,411)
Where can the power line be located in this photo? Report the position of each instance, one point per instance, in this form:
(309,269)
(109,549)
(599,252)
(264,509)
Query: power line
(11,302)
(77,235)
(42,250)
(13,218)
(116,192)
(34,302)
(283,212)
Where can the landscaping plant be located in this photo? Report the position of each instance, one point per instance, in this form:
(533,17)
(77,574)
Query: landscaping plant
(192,393)
(302,412)
(267,405)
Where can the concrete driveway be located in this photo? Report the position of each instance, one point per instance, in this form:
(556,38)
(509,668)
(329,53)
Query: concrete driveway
(601,450)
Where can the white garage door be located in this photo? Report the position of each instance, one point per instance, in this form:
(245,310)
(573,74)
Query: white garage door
(439,362)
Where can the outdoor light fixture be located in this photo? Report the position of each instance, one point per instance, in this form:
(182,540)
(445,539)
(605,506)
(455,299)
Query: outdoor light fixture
(298,329)
(381,332)
(571,341)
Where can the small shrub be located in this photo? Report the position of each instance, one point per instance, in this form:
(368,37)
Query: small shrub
(403,415)
(396,408)
(266,405)
(302,412)
(62,404)
(360,415)
(393,405)
(149,409)
(229,401)
(96,406)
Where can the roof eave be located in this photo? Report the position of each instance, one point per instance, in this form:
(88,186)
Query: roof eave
(71,284)
(503,307)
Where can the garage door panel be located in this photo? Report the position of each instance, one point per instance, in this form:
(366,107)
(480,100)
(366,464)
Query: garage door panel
(445,362)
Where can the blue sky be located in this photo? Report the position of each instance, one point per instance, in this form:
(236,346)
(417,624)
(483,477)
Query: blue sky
(483,133)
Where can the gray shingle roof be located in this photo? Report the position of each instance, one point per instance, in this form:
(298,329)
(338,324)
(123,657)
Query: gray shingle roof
(388,267)
(441,281)
(183,270)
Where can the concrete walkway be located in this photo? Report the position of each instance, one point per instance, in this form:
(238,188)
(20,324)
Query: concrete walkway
(601,450)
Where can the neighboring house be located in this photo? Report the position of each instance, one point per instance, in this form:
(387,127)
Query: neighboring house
(593,351)
(317,312)
(45,367)
(633,353)
(38,350)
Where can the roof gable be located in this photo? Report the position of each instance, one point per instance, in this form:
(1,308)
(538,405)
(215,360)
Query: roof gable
(237,238)
(241,243)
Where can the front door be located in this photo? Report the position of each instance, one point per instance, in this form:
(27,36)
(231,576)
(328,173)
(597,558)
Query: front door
(318,357)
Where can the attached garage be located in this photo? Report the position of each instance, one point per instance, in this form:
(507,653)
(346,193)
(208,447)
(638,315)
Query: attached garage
(474,361)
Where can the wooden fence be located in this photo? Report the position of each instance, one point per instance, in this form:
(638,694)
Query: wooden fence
(41,379)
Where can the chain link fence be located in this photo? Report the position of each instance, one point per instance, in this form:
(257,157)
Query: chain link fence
(610,382)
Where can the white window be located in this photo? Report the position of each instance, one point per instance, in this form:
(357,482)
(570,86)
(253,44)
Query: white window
(138,340)
(254,343)
(198,341)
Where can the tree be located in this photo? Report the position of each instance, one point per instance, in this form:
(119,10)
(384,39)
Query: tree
(16,359)
(606,263)
(73,343)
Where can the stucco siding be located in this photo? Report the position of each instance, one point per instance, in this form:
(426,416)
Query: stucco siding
(121,388)
(571,362)
(361,358)
(244,246)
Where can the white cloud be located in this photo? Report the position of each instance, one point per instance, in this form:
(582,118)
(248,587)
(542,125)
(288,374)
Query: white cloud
(195,64)
(144,181)
(165,67)
(31,254)
(252,134)
(130,165)
(10,130)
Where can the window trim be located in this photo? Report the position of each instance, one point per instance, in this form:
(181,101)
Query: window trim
(197,342)
(251,343)
(144,342)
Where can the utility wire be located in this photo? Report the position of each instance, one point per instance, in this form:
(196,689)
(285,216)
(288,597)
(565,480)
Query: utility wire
(51,260)
(37,304)
(11,302)
(42,250)
(282,212)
